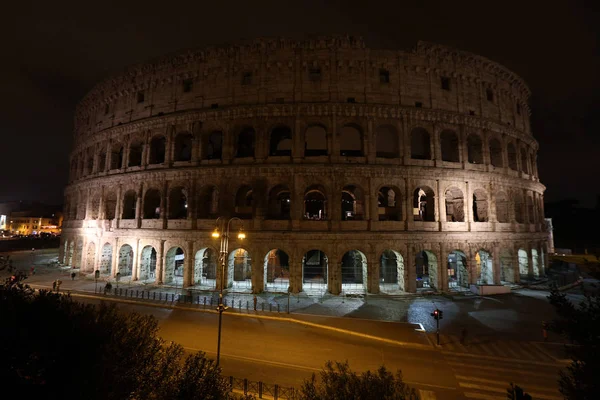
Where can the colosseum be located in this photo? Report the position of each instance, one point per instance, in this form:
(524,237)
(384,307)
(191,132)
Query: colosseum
(349,169)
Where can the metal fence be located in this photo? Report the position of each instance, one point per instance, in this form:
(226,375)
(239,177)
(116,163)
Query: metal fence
(263,390)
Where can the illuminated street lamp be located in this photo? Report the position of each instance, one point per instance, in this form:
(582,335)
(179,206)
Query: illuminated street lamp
(222,231)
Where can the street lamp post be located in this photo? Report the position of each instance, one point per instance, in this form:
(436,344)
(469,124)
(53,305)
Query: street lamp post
(222,232)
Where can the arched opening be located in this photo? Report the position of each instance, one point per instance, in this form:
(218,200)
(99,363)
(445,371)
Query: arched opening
(152,204)
(148,265)
(212,146)
(89,162)
(426,268)
(277,271)
(239,270)
(90,256)
(475,149)
(205,268)
(523,264)
(455,205)
(524,163)
(391,272)
(485,269)
(518,206)
(110,205)
(157,150)
(183,146)
(496,153)
(281,142)
(245,143)
(420,144)
(535,262)
(458,274)
(106,259)
(314,271)
(116,156)
(135,153)
(208,202)
(424,204)
(507,272)
(174,266)
(449,146)
(530,210)
(178,206)
(279,202)
(315,203)
(389,203)
(502,207)
(512,157)
(480,206)
(244,202)
(125,263)
(387,142)
(101,161)
(354,272)
(129,204)
(351,143)
(353,203)
(315,141)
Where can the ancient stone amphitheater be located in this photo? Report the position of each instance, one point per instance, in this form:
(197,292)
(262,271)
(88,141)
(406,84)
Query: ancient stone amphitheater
(351,170)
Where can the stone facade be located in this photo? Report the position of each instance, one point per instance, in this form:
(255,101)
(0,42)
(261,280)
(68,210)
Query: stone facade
(368,170)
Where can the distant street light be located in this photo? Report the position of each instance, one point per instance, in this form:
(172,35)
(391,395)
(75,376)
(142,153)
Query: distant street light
(222,231)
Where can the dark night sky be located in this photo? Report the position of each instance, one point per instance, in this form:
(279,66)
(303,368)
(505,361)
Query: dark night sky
(54,52)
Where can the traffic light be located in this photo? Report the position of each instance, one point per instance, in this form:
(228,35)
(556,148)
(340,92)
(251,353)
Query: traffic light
(437,314)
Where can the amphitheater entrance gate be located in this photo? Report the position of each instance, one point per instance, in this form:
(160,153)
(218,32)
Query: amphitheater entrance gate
(125,260)
(485,269)
(458,275)
(148,264)
(174,266)
(391,272)
(354,272)
(523,264)
(277,271)
(106,259)
(239,270)
(205,268)
(426,269)
(314,272)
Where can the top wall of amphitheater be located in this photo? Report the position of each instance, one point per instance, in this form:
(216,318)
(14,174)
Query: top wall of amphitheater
(332,69)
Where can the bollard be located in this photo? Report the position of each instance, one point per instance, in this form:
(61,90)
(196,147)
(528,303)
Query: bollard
(277,307)
(270,307)
(247,304)
(172,297)
(211,301)
(204,301)
(231,382)
(276,392)
(245,386)
(136,294)
(240,304)
(260,390)
(154,296)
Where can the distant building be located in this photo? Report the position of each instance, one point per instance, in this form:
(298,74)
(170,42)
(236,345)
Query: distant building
(22,223)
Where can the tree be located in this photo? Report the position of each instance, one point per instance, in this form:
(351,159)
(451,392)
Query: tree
(580,325)
(338,382)
(95,352)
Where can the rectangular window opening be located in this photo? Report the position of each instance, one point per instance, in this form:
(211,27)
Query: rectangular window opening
(214,105)
(489,94)
(247,78)
(314,74)
(188,84)
(140,97)
(518,109)
(280,100)
(384,76)
(351,100)
(106,109)
(471,112)
(445,83)
(418,104)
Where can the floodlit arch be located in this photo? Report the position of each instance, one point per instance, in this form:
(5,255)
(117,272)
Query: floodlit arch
(174,266)
(496,153)
(524,163)
(178,204)
(106,259)
(157,149)
(480,206)
(101,166)
(279,202)
(244,202)
(90,256)
(281,141)
(116,156)
(523,264)
(110,205)
(212,145)
(314,271)
(458,274)
(315,141)
(485,269)
(391,272)
(389,202)
(152,204)
(351,141)
(420,144)
(424,204)
(245,143)
(135,153)
(426,270)
(475,149)
(208,202)
(125,262)
(387,142)
(502,206)
(239,271)
(353,203)
(277,271)
(455,205)
(449,146)
(183,146)
(129,204)
(148,261)
(354,272)
(315,203)
(205,268)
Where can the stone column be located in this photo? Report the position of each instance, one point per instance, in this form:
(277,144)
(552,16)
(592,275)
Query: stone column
(138,206)
(373,206)
(115,258)
(515,265)
(497,264)
(296,276)
(408,204)
(529,261)
(160,263)
(372,273)
(406,142)
(164,205)
(436,148)
(188,266)
(440,210)
(126,149)
(443,268)
(297,141)
(334,274)
(370,143)
(410,284)
(136,261)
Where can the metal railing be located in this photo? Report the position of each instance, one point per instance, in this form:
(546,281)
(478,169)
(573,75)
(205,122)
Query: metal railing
(263,390)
